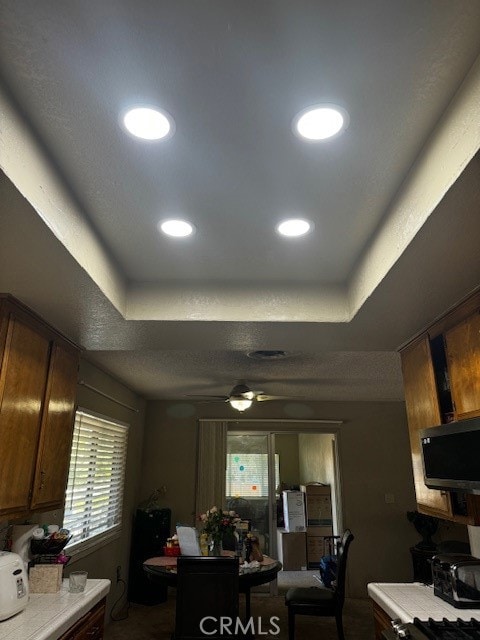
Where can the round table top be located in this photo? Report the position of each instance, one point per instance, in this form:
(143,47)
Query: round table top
(164,568)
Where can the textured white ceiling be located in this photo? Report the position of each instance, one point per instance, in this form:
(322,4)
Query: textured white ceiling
(233,75)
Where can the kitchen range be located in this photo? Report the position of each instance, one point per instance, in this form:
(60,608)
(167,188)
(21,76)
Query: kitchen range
(434,630)
(421,612)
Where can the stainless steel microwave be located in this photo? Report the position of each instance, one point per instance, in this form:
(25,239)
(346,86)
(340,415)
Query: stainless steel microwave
(451,456)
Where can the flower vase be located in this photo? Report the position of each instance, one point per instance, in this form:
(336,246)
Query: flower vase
(215,547)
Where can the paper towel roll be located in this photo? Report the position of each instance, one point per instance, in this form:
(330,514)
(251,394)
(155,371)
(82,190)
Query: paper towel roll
(21,536)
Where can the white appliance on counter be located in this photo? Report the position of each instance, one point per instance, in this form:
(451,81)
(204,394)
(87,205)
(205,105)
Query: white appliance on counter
(13,585)
(21,537)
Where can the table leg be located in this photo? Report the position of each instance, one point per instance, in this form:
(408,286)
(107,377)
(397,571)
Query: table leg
(247,604)
(249,634)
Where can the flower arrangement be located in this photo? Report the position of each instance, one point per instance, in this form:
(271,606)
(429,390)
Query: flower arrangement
(217,522)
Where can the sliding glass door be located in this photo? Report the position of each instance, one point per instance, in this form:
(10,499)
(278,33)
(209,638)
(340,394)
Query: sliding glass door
(260,465)
(251,478)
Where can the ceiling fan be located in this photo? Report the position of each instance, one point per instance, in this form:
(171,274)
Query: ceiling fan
(241,397)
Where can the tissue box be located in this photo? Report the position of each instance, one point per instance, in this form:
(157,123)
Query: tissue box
(45,578)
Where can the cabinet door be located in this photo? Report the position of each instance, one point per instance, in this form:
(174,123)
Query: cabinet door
(93,629)
(90,627)
(463,356)
(57,427)
(23,376)
(423,411)
(381,619)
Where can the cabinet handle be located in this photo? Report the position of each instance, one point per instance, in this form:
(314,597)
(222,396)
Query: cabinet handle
(93,631)
(42,480)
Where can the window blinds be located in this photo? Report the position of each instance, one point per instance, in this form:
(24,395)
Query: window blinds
(94,495)
(247,474)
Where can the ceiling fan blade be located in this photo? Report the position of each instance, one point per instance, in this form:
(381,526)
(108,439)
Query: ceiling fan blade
(264,398)
(207,397)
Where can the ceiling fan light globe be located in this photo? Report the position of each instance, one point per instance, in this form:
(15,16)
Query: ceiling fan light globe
(242,392)
(240,404)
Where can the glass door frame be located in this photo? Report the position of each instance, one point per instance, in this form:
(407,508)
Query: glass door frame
(325,427)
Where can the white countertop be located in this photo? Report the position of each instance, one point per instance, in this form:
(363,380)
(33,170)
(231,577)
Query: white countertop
(48,615)
(415,600)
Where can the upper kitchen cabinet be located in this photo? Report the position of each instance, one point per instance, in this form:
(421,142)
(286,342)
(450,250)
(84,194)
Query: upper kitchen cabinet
(38,376)
(462,344)
(441,373)
(56,428)
(423,410)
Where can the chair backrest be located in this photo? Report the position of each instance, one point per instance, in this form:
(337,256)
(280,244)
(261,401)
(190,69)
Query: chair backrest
(342,555)
(242,506)
(206,587)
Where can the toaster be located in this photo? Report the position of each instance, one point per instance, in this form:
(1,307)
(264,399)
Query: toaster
(13,585)
(456,579)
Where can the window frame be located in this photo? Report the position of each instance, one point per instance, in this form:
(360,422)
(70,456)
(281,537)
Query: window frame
(83,547)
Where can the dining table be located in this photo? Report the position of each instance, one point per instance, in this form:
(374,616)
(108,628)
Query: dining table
(163,570)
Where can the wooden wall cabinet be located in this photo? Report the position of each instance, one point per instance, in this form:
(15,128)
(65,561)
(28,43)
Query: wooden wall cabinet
(38,377)
(423,410)
(462,344)
(90,627)
(441,373)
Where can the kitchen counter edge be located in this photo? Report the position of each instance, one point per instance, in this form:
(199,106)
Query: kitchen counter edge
(415,599)
(65,608)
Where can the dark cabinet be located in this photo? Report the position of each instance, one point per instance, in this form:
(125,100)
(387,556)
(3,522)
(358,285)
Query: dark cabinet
(53,459)
(463,353)
(90,627)
(441,373)
(38,384)
(151,528)
(423,411)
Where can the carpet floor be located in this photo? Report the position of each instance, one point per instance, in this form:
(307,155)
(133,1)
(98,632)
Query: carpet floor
(158,622)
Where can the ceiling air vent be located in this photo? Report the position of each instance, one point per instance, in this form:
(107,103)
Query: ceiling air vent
(268,355)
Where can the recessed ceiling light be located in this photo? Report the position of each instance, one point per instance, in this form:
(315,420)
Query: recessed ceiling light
(294,227)
(148,124)
(176,228)
(320,122)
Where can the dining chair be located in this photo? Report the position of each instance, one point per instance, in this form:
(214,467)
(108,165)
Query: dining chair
(207,587)
(320,601)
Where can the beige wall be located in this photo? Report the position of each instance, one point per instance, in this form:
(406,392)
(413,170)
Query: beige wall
(316,458)
(374,462)
(286,445)
(170,458)
(317,464)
